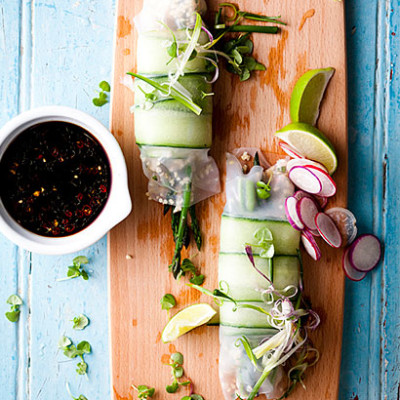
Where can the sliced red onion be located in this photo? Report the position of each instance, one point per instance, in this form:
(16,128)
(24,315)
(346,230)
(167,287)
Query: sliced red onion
(306,180)
(365,253)
(310,245)
(349,270)
(290,151)
(209,34)
(307,210)
(304,162)
(291,213)
(328,186)
(346,223)
(328,230)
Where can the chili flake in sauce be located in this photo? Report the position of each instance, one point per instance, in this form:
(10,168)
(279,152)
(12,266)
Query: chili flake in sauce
(55,178)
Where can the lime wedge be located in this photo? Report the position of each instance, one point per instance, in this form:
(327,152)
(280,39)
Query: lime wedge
(187,319)
(307,95)
(310,142)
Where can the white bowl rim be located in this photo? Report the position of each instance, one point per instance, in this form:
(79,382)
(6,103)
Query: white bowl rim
(117,207)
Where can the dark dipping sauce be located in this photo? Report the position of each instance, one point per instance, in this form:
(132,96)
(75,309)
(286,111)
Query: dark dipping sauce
(55,179)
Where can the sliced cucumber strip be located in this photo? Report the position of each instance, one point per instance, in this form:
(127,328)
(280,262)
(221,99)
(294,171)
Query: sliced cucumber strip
(243,281)
(286,271)
(246,284)
(244,317)
(240,331)
(173,128)
(236,232)
(152,54)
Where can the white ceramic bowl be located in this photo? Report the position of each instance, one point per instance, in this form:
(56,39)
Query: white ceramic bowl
(118,204)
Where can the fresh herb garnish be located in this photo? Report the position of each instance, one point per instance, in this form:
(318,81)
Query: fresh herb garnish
(77,269)
(193,397)
(15,302)
(103,97)
(72,351)
(80,397)
(167,302)
(80,322)
(144,392)
(264,242)
(188,266)
(176,362)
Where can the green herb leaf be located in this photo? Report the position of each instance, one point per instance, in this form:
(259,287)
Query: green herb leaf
(168,301)
(82,397)
(79,260)
(80,322)
(64,342)
(197,280)
(144,392)
(14,300)
(173,50)
(76,270)
(105,86)
(98,102)
(13,316)
(177,358)
(172,388)
(84,347)
(178,372)
(71,351)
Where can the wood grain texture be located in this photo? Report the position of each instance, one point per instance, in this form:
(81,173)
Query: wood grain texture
(244,114)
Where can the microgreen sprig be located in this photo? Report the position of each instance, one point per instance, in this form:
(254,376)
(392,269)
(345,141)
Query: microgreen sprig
(77,269)
(103,96)
(192,397)
(144,392)
(81,396)
(188,266)
(72,351)
(176,362)
(15,302)
(167,302)
(80,322)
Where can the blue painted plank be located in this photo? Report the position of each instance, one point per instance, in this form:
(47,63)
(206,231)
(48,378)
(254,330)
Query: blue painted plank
(71,54)
(67,51)
(12,349)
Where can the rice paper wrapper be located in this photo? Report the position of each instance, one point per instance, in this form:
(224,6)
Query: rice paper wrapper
(237,374)
(176,14)
(170,169)
(241,196)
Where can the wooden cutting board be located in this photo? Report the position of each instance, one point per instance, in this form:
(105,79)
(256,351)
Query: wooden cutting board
(245,114)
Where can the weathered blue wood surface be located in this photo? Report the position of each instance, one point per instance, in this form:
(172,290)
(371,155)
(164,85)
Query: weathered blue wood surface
(56,52)
(53,52)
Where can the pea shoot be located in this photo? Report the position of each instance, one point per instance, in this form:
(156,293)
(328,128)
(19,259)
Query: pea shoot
(176,362)
(188,266)
(77,269)
(193,397)
(168,301)
(72,351)
(144,392)
(80,322)
(103,96)
(15,302)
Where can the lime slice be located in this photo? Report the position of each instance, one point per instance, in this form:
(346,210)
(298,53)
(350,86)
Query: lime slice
(187,319)
(307,95)
(310,142)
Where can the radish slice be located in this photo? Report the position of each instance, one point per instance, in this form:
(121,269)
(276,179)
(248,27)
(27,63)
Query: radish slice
(322,201)
(345,222)
(307,209)
(310,245)
(351,272)
(303,162)
(328,186)
(328,230)
(365,253)
(291,213)
(289,150)
(305,179)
